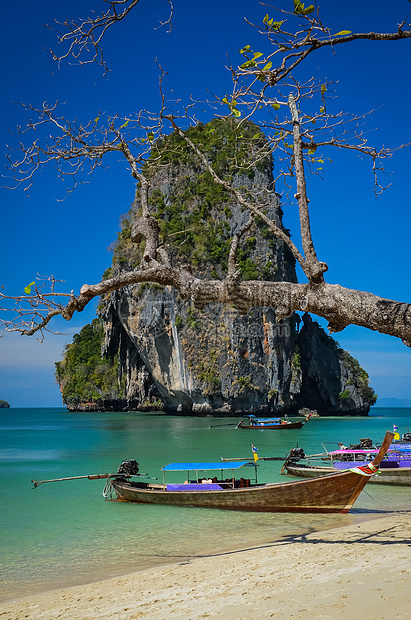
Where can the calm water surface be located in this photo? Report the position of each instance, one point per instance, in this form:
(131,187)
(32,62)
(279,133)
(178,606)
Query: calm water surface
(65,533)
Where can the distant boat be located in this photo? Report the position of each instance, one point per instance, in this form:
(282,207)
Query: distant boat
(269,423)
(395,468)
(335,493)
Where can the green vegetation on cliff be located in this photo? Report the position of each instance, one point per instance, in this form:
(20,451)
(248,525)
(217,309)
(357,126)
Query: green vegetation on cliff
(359,378)
(83,374)
(4,404)
(194,215)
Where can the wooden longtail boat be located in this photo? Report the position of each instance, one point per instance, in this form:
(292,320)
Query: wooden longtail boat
(395,468)
(269,423)
(400,477)
(335,493)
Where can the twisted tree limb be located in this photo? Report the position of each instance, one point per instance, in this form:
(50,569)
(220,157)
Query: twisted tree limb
(340,306)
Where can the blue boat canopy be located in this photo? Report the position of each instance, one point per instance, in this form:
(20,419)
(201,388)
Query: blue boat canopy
(206,466)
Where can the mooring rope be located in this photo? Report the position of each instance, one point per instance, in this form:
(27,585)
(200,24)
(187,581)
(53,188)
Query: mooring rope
(108,489)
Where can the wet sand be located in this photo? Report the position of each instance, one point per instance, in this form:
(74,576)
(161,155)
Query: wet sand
(362,569)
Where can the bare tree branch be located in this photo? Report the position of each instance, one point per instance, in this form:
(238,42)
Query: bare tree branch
(339,305)
(294,47)
(314,267)
(299,128)
(83,39)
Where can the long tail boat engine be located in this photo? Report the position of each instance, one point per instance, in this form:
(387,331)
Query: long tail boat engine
(129,467)
(126,469)
(296,454)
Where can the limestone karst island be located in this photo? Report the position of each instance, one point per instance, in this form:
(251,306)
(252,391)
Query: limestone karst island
(149,349)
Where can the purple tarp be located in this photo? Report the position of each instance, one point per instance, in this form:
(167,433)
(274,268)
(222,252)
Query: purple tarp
(194,487)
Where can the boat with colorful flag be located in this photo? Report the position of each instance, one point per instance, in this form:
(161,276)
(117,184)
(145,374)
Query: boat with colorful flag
(395,467)
(219,485)
(401,439)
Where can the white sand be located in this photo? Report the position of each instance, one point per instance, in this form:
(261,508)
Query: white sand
(362,569)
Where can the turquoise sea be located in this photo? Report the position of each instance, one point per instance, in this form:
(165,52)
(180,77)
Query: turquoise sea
(65,533)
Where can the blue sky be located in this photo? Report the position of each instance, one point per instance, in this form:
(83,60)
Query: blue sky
(364,239)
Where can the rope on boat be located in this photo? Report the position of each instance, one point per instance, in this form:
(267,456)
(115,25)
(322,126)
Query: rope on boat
(108,488)
(127,469)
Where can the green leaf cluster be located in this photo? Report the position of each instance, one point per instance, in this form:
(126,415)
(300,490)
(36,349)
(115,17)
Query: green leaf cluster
(251,62)
(271,23)
(27,289)
(232,105)
(300,9)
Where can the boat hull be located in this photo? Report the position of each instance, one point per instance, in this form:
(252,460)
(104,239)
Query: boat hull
(333,494)
(400,476)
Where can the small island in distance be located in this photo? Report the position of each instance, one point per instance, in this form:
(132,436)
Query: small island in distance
(4,404)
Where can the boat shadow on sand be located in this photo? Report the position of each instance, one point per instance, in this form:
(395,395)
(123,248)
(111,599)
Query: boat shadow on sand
(393,535)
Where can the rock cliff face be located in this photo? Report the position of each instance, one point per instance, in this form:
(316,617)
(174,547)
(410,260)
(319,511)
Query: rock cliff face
(225,364)
(214,360)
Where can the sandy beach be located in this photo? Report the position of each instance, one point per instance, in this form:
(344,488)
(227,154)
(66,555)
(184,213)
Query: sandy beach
(363,569)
